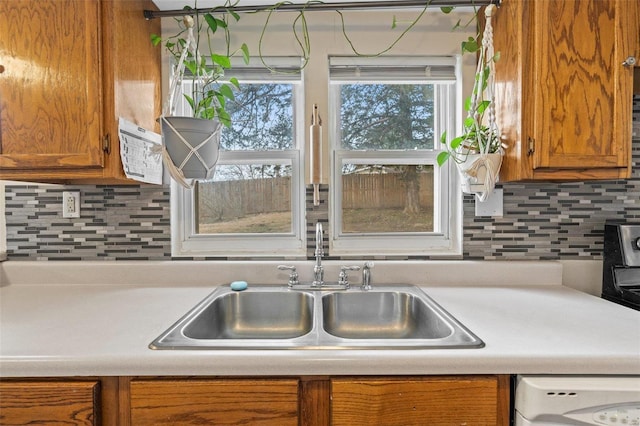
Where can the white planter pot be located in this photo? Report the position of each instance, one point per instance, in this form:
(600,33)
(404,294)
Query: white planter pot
(192,145)
(479,173)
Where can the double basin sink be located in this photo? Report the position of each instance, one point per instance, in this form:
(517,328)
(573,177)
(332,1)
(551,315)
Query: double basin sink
(276,317)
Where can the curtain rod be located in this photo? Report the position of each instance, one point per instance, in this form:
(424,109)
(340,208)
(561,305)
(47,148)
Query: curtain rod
(151,14)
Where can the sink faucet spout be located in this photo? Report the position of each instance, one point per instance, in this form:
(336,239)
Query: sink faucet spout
(318,269)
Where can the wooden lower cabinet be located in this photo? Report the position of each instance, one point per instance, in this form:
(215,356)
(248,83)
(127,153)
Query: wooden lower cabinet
(214,402)
(322,401)
(304,401)
(65,402)
(429,401)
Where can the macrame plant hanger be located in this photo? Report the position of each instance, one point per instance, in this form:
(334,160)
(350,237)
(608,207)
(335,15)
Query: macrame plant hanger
(485,62)
(169,109)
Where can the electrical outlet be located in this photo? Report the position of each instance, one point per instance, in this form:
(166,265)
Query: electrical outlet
(71,204)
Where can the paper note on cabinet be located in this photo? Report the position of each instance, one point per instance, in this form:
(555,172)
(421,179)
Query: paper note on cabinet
(141,152)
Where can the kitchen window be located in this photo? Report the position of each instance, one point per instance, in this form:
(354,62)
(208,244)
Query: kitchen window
(388,194)
(253,204)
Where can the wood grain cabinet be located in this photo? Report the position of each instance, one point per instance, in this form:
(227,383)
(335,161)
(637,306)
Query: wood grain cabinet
(214,402)
(67,402)
(480,400)
(434,401)
(319,401)
(564,95)
(68,70)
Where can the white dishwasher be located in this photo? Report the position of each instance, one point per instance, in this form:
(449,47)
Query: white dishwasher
(573,400)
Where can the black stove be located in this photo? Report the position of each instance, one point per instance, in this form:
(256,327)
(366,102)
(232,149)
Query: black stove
(621,268)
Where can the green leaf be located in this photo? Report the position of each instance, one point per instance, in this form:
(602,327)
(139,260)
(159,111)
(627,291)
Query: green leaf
(221,23)
(245,53)
(455,143)
(467,104)
(471,45)
(442,158)
(394,23)
(190,101)
(191,66)
(234,14)
(221,60)
(155,39)
(221,100)
(212,22)
(496,57)
(226,91)
(224,117)
(447,9)
(468,122)
(443,138)
(235,82)
(483,106)
(457,25)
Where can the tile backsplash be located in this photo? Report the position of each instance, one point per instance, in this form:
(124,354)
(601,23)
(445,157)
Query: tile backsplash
(541,220)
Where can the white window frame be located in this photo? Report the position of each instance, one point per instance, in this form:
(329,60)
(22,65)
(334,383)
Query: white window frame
(186,242)
(433,35)
(446,240)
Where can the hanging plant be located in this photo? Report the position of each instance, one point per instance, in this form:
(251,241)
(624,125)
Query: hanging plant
(191,144)
(478,149)
(210,92)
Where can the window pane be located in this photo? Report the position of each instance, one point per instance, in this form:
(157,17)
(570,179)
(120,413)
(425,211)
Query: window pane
(386,116)
(387,198)
(262,116)
(244,198)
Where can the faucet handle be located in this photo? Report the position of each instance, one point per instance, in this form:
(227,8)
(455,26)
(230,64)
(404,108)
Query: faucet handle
(293,275)
(343,279)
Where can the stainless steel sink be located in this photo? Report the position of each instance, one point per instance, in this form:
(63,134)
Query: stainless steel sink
(253,315)
(275,317)
(381,315)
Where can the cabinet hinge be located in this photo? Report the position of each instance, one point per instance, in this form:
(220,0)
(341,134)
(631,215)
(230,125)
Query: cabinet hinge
(532,146)
(106,143)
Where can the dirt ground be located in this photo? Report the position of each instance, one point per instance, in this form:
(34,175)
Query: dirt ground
(355,220)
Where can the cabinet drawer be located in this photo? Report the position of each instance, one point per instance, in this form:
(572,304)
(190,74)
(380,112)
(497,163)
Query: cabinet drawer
(49,402)
(416,401)
(219,402)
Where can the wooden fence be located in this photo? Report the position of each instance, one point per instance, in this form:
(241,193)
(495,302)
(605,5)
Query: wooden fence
(227,200)
(230,199)
(383,191)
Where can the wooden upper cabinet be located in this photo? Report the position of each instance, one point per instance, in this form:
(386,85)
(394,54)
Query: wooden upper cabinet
(564,96)
(71,68)
(50,106)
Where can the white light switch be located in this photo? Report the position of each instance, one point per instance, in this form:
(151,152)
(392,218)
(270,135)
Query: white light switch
(492,206)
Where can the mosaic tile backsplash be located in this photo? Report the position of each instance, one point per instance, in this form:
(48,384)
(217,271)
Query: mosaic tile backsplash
(541,220)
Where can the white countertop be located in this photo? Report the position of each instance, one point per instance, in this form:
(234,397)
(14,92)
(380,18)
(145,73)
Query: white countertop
(90,328)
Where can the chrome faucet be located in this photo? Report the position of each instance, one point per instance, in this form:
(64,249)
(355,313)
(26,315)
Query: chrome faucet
(366,276)
(318,269)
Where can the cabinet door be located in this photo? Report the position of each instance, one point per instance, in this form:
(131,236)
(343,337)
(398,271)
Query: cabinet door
(49,402)
(80,66)
(564,99)
(419,401)
(132,73)
(50,99)
(582,92)
(216,402)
